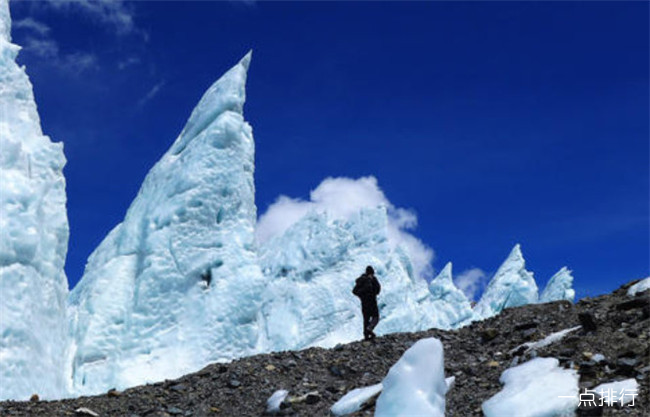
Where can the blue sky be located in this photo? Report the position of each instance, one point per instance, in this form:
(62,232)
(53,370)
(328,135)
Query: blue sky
(496,123)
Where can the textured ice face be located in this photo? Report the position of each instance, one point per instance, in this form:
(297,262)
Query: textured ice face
(5,21)
(452,307)
(176,285)
(511,286)
(312,268)
(421,371)
(33,239)
(559,287)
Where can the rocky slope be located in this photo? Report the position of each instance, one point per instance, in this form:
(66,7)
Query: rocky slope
(614,325)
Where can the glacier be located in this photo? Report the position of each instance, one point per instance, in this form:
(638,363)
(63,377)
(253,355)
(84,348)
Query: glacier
(559,287)
(33,239)
(312,267)
(511,286)
(177,285)
(192,275)
(453,308)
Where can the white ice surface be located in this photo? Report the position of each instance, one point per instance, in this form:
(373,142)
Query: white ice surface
(312,268)
(274,401)
(33,239)
(177,285)
(537,388)
(415,385)
(452,307)
(511,286)
(551,338)
(640,286)
(618,392)
(598,357)
(559,287)
(353,400)
(450,381)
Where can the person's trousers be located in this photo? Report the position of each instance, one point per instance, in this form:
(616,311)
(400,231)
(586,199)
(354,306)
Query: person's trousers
(370,320)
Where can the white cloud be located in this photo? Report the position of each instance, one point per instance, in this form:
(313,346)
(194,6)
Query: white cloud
(116,14)
(471,282)
(43,48)
(128,62)
(30,24)
(151,94)
(48,49)
(341,198)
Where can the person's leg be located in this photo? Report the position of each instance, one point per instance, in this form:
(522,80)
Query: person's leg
(373,322)
(371,325)
(366,323)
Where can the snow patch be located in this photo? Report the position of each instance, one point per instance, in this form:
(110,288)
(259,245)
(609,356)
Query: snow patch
(617,392)
(415,385)
(639,287)
(353,400)
(537,388)
(274,401)
(551,338)
(450,382)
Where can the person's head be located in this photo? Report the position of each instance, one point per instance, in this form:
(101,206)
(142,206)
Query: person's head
(370,270)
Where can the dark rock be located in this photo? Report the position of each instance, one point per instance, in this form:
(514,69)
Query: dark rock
(526,326)
(587,321)
(34,398)
(234,383)
(175,411)
(178,387)
(312,397)
(638,302)
(489,334)
(334,370)
(529,333)
(568,352)
(625,366)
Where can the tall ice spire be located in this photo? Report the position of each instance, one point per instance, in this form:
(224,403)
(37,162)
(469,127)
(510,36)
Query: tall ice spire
(33,239)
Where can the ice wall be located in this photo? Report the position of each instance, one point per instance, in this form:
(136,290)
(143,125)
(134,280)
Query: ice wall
(176,285)
(559,287)
(33,239)
(451,306)
(511,286)
(312,268)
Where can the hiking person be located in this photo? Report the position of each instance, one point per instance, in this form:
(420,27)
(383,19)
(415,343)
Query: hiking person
(367,288)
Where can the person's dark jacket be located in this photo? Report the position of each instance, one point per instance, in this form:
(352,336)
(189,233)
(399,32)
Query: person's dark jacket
(367,288)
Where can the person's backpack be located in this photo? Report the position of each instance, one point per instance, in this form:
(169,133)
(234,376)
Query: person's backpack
(364,286)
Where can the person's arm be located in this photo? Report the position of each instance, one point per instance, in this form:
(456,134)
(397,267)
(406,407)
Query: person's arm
(377,285)
(355,290)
